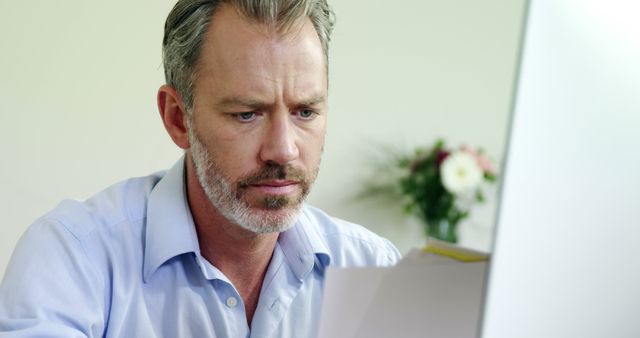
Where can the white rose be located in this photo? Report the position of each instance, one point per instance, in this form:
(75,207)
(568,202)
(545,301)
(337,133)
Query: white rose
(460,172)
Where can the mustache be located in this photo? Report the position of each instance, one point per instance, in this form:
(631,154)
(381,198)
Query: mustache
(273,171)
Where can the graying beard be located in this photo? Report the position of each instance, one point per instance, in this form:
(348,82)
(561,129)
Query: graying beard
(237,212)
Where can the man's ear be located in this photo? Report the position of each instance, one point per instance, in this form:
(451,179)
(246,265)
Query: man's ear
(173,115)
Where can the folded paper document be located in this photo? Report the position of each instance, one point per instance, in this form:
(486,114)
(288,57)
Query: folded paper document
(433,292)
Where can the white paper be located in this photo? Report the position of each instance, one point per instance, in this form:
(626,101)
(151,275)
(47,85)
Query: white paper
(423,296)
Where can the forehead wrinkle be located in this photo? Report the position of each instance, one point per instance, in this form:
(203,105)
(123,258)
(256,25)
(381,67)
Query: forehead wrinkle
(303,90)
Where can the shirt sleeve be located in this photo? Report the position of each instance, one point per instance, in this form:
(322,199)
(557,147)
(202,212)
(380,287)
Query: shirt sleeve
(50,288)
(393,255)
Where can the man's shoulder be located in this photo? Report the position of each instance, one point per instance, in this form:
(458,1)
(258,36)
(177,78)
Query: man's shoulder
(122,202)
(350,244)
(74,251)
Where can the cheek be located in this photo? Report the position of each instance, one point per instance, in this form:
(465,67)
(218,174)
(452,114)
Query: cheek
(311,148)
(234,157)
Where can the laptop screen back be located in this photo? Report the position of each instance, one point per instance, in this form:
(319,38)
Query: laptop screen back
(567,250)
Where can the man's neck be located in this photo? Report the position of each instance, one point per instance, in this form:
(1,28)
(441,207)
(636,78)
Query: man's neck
(241,255)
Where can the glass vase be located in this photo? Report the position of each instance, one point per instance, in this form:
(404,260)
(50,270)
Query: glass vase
(442,229)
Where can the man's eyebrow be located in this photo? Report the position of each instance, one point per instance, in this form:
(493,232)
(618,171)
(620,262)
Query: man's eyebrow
(312,101)
(235,101)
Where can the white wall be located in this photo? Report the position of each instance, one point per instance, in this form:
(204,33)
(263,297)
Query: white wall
(404,75)
(78,82)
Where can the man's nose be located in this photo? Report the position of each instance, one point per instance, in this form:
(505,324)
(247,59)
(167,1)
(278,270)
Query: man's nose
(279,144)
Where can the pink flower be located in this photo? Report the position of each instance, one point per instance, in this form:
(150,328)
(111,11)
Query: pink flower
(481,159)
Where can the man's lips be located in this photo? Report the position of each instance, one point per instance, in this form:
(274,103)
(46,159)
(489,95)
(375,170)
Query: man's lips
(276,187)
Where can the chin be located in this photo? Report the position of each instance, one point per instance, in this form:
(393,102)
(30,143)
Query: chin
(264,221)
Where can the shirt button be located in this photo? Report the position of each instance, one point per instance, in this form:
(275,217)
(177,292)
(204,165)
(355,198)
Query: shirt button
(232,302)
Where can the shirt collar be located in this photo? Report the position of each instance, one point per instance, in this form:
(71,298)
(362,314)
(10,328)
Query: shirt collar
(303,247)
(170,230)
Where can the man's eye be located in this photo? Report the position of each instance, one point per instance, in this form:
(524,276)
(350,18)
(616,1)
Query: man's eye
(306,114)
(245,117)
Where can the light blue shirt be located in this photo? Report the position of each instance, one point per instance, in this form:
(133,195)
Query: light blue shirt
(127,263)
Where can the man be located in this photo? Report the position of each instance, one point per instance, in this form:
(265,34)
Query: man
(221,245)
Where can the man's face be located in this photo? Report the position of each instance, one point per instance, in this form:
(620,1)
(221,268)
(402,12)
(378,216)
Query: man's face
(259,118)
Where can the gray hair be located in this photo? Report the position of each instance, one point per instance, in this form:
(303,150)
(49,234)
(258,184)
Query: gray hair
(188,22)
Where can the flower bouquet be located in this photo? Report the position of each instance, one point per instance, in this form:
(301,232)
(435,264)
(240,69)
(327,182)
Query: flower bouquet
(440,185)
